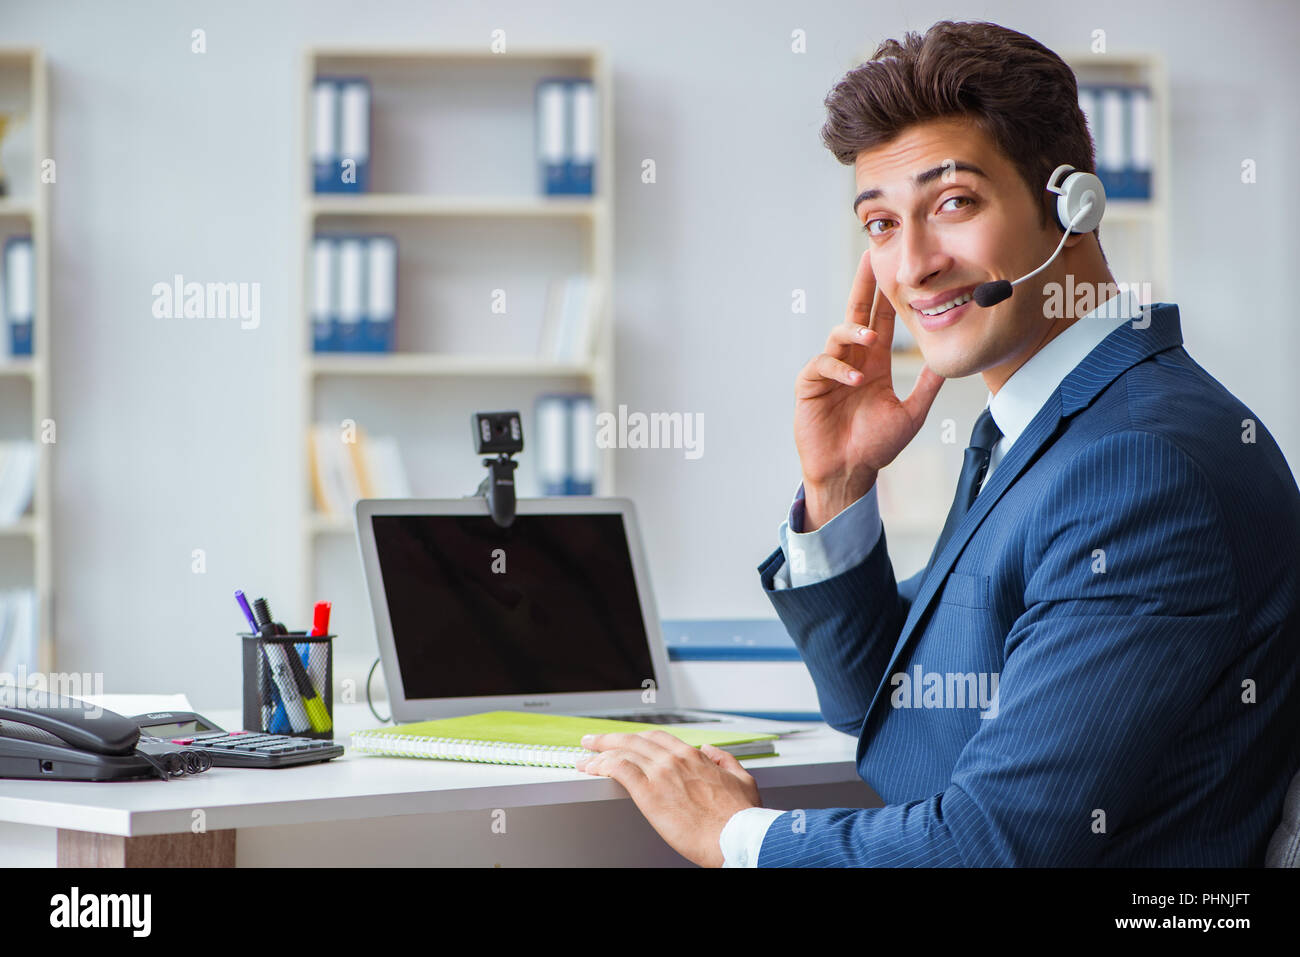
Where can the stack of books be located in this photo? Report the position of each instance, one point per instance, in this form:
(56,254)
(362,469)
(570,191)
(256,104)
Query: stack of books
(343,472)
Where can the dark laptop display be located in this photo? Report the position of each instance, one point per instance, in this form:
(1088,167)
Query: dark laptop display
(546,606)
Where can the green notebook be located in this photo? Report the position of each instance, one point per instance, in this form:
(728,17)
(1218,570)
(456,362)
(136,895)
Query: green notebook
(543,740)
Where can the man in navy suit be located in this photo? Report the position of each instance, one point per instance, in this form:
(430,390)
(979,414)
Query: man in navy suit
(1099,663)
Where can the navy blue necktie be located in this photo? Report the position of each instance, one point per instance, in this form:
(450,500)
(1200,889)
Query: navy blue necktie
(973,469)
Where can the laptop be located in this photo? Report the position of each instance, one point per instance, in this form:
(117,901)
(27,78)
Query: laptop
(553,614)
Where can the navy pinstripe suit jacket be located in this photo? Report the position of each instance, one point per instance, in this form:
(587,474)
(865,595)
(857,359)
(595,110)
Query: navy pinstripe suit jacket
(1131,575)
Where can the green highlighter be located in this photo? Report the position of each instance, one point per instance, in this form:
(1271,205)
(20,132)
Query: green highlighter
(317,713)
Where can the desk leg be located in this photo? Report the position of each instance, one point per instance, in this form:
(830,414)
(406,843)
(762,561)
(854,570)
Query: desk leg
(89,849)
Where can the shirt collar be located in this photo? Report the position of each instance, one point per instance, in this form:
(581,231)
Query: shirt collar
(1021,396)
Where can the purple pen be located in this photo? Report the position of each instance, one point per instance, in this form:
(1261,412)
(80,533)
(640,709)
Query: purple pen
(248,612)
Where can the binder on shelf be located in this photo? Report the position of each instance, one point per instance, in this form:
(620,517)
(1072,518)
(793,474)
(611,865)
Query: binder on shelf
(1140,137)
(352,278)
(324,306)
(552,136)
(20,299)
(567,133)
(582,143)
(1119,117)
(551,415)
(582,445)
(325,135)
(566,461)
(379,321)
(354,136)
(354,293)
(341,135)
(1113,148)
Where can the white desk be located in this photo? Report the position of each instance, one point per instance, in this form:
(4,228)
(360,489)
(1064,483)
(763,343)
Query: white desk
(367,810)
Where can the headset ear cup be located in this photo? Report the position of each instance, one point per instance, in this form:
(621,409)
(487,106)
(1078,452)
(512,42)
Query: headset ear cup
(1074,194)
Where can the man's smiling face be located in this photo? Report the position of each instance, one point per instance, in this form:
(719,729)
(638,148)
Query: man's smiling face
(971,221)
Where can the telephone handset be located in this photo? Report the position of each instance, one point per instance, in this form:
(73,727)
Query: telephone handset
(64,739)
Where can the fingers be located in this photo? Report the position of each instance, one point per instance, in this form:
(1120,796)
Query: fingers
(882,318)
(652,744)
(621,765)
(723,759)
(861,293)
(921,397)
(847,334)
(867,307)
(823,367)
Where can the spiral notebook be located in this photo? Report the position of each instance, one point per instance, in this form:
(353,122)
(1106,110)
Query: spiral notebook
(540,740)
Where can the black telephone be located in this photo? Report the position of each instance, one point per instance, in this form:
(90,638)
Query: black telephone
(64,739)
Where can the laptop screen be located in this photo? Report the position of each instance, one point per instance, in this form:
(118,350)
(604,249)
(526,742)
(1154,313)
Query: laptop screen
(546,606)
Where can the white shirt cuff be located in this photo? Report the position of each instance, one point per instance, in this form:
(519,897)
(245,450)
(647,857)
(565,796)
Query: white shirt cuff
(743,835)
(837,546)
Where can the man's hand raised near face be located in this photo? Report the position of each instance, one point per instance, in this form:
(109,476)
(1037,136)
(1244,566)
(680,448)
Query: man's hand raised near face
(848,422)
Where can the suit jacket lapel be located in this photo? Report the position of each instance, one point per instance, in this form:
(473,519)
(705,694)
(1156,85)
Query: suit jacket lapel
(1129,344)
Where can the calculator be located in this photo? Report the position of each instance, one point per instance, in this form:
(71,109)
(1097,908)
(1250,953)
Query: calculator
(232,749)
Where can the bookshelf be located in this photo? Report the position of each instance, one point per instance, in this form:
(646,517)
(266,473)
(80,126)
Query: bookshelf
(25,545)
(916,491)
(453,176)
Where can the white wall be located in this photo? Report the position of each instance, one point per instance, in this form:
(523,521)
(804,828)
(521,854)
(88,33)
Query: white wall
(181,435)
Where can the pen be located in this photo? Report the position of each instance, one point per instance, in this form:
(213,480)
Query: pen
(281,660)
(320,626)
(273,716)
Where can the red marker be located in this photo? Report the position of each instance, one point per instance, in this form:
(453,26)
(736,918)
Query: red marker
(320,623)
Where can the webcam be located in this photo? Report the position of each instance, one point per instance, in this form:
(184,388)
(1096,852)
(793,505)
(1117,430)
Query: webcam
(500,434)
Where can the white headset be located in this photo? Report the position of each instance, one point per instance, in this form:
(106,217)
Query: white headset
(1080,197)
(1080,203)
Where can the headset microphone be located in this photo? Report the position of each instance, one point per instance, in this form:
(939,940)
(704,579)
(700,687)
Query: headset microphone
(1081,200)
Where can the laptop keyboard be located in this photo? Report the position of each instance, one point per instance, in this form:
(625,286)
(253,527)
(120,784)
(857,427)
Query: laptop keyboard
(654,717)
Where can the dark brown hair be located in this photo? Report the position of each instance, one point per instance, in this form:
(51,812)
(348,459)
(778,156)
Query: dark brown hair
(1023,97)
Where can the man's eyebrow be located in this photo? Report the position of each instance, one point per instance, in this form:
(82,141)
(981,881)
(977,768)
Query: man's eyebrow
(926,176)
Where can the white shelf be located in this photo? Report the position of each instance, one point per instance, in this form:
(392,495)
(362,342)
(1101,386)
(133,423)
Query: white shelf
(32,367)
(27,527)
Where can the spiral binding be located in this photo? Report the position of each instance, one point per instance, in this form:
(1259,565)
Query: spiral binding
(480,752)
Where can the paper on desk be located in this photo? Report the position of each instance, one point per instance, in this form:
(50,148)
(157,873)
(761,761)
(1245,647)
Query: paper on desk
(133,704)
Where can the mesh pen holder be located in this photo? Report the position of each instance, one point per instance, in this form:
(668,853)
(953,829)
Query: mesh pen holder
(285,690)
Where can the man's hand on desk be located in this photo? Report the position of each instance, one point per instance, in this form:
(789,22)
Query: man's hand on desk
(687,794)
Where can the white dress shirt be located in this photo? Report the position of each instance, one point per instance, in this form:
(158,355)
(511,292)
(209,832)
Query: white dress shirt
(850,536)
